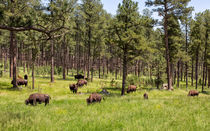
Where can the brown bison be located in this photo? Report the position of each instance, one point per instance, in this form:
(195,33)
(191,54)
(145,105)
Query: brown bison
(81,83)
(79,76)
(193,93)
(94,97)
(145,96)
(21,82)
(37,97)
(131,88)
(73,88)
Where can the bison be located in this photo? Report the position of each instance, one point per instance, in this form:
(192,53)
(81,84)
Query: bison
(131,88)
(73,88)
(145,96)
(193,93)
(79,76)
(94,97)
(26,77)
(81,83)
(37,97)
(21,82)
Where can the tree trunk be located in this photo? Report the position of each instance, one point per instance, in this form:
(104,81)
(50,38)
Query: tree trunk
(89,55)
(64,58)
(11,58)
(139,68)
(178,69)
(186,49)
(103,67)
(181,70)
(124,71)
(92,66)
(33,82)
(206,74)
(116,69)
(169,77)
(196,68)
(205,60)
(52,61)
(208,77)
(99,67)
(107,66)
(14,57)
(5,60)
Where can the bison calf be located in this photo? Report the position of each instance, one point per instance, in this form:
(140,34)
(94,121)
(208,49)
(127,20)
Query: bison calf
(145,96)
(73,88)
(131,88)
(193,93)
(94,97)
(37,97)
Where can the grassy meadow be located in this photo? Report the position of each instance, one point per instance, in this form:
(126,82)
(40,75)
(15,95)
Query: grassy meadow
(164,111)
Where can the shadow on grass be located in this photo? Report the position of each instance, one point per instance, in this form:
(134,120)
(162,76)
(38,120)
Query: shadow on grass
(48,77)
(206,92)
(148,89)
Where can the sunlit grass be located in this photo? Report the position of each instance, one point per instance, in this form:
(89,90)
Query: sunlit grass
(165,110)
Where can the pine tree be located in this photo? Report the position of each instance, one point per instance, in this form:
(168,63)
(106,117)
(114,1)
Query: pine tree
(127,31)
(165,8)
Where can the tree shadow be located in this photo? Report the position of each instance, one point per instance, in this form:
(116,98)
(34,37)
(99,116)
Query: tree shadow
(149,89)
(206,92)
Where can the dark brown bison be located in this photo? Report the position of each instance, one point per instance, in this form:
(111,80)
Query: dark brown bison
(73,88)
(79,76)
(131,88)
(37,97)
(21,82)
(81,83)
(94,97)
(26,77)
(193,93)
(145,96)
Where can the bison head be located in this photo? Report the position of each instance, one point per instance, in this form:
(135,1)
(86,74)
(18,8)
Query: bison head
(27,102)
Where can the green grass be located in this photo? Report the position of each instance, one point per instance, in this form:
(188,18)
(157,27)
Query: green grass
(165,110)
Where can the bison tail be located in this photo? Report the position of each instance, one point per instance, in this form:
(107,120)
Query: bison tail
(103,98)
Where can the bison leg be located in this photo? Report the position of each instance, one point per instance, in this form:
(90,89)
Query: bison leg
(46,101)
(34,102)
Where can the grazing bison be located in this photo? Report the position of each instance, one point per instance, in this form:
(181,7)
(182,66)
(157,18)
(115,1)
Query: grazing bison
(73,88)
(193,93)
(81,83)
(79,76)
(94,97)
(131,88)
(37,97)
(145,96)
(21,82)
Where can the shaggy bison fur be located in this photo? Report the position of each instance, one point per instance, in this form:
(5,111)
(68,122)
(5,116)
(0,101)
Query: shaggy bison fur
(81,83)
(131,88)
(21,82)
(94,97)
(73,88)
(145,96)
(26,77)
(79,76)
(193,93)
(37,97)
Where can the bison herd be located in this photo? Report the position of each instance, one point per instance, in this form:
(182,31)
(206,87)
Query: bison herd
(94,97)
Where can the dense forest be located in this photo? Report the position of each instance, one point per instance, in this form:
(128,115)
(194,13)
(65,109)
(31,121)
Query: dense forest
(68,37)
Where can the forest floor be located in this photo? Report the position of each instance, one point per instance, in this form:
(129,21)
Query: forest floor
(164,110)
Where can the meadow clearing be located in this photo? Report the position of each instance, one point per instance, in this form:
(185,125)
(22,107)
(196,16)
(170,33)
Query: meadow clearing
(164,110)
